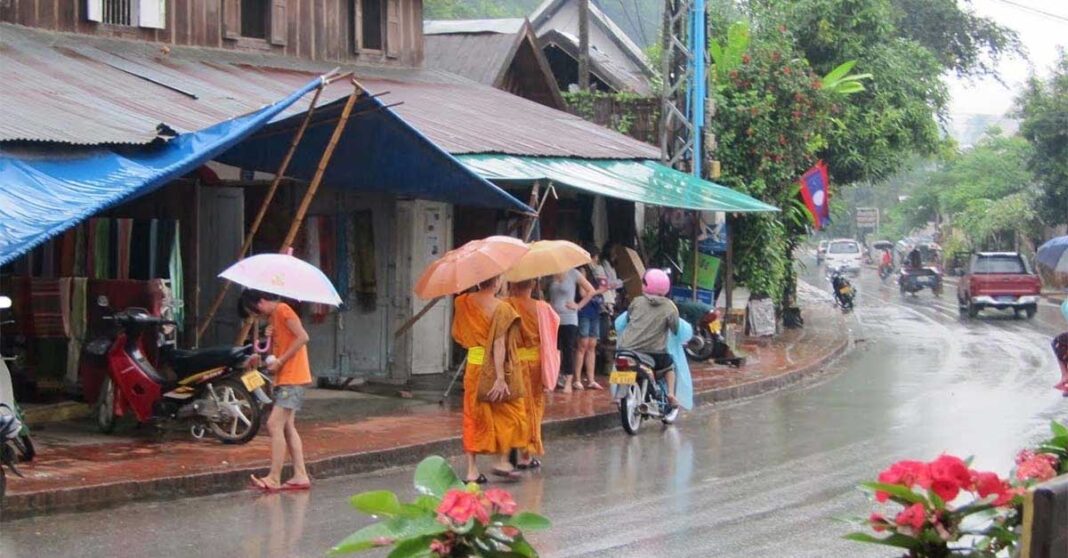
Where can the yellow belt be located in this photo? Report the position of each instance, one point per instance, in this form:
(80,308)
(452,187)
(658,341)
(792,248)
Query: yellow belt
(476,355)
(529,354)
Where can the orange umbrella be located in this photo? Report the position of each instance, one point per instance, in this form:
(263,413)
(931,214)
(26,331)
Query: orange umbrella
(469,265)
(548,257)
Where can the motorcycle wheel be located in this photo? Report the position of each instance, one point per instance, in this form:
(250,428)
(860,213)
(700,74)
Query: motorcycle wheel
(628,410)
(231,394)
(671,417)
(704,350)
(24,445)
(105,407)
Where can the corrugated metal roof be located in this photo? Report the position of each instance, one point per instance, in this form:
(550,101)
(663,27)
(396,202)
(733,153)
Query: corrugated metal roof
(545,11)
(86,90)
(506,26)
(477,56)
(613,72)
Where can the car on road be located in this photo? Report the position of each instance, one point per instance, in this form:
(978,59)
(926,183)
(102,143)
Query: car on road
(821,251)
(845,254)
(1000,280)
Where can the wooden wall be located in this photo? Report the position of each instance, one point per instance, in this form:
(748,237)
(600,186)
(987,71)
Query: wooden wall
(314,29)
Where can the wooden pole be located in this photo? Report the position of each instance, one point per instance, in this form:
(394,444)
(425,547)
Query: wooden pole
(255,227)
(728,278)
(313,187)
(696,235)
(584,46)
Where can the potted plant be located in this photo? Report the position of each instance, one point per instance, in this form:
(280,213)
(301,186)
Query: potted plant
(448,519)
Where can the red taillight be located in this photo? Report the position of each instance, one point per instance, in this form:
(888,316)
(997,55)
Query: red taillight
(624,363)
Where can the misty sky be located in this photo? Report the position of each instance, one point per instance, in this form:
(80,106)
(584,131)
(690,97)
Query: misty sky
(1041,34)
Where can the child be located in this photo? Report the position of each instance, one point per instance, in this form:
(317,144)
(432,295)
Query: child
(291,373)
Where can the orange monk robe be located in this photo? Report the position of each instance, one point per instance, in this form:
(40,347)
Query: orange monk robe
(488,427)
(530,364)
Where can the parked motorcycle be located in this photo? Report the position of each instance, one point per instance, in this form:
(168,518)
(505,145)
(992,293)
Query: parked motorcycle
(844,292)
(707,341)
(641,390)
(10,425)
(22,442)
(211,389)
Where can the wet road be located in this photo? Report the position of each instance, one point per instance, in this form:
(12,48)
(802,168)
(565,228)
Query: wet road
(764,477)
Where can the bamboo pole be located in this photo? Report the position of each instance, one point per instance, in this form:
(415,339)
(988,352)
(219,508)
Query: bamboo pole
(313,187)
(255,227)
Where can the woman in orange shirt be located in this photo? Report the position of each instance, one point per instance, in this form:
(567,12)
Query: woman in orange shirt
(488,328)
(291,373)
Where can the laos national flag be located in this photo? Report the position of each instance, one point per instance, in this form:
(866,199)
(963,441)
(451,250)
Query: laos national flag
(815,190)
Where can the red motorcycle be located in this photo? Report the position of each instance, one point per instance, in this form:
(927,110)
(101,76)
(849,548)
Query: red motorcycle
(211,388)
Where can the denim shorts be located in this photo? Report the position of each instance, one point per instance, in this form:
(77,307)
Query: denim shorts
(590,326)
(289,397)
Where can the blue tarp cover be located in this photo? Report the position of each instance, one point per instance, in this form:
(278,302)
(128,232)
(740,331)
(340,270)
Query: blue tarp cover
(378,152)
(45,190)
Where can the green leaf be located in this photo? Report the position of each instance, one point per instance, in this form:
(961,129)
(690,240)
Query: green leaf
(434,477)
(522,548)
(396,529)
(839,72)
(413,548)
(895,540)
(377,503)
(895,491)
(527,521)
(936,500)
(1059,430)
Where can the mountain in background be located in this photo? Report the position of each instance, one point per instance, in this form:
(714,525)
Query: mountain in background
(639,19)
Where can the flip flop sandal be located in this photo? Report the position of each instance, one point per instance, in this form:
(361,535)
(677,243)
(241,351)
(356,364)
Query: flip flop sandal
(480,480)
(595,386)
(534,464)
(510,476)
(296,486)
(260,484)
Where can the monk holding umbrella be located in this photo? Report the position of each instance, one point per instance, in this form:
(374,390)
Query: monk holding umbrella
(495,418)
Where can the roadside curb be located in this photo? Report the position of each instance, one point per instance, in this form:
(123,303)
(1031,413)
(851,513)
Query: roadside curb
(99,496)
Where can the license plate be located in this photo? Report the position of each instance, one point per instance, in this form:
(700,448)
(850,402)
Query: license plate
(252,380)
(714,327)
(845,290)
(1006,299)
(623,378)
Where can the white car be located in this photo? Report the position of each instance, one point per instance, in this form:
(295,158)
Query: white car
(844,254)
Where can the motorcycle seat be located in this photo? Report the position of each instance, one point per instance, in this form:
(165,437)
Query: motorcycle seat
(189,362)
(645,360)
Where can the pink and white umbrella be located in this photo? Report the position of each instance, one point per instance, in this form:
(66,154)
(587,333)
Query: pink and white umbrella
(285,276)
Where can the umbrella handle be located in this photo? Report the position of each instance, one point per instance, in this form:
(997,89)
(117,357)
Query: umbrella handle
(264,346)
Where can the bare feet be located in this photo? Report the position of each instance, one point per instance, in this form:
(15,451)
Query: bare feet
(594,385)
(265,483)
(578,386)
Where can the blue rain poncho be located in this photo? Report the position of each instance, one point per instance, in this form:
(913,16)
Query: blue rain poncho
(676,342)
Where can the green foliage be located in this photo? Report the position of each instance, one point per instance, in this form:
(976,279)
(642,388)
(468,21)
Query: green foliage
(477,9)
(839,82)
(963,42)
(727,55)
(1043,109)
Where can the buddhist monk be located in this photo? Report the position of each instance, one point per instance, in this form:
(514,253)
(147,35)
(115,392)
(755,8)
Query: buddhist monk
(495,424)
(538,359)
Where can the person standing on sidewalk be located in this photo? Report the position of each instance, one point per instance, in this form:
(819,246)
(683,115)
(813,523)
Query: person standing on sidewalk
(494,423)
(589,321)
(292,373)
(538,359)
(563,292)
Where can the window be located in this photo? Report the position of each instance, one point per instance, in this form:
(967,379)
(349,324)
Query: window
(844,248)
(1009,264)
(372,24)
(140,13)
(254,18)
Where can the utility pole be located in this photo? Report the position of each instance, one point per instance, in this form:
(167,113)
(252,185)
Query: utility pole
(584,46)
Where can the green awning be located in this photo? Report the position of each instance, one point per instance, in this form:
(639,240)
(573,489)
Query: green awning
(638,181)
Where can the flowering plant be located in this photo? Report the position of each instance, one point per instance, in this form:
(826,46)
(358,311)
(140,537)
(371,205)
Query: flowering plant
(448,519)
(930,525)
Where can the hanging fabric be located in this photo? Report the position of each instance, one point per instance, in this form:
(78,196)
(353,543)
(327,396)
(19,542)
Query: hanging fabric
(48,259)
(600,221)
(124,229)
(101,248)
(66,253)
(366,276)
(153,248)
(327,261)
(46,303)
(78,321)
(80,240)
(342,231)
(174,268)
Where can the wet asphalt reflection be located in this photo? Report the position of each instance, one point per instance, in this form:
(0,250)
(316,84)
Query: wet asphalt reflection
(764,477)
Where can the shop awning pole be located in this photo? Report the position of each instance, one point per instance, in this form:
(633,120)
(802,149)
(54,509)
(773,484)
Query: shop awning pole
(313,187)
(255,227)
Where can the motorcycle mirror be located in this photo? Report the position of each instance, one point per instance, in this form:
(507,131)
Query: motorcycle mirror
(102,301)
(5,302)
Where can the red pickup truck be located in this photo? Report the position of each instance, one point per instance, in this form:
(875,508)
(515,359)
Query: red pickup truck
(999,280)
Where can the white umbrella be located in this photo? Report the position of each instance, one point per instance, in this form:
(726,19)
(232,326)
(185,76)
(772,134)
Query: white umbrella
(285,276)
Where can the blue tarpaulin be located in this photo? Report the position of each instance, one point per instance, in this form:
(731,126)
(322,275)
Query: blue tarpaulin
(378,152)
(45,190)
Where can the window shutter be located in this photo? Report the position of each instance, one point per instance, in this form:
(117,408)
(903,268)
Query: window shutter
(357,25)
(394,41)
(94,10)
(279,21)
(152,13)
(231,14)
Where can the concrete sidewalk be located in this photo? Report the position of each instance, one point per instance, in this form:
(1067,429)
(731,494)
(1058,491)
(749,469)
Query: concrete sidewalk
(346,432)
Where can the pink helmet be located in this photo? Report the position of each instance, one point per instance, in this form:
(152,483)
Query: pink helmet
(656,282)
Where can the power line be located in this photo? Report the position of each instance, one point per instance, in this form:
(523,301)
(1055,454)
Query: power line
(1035,10)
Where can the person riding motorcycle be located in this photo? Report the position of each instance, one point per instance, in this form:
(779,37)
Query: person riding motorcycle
(915,259)
(652,316)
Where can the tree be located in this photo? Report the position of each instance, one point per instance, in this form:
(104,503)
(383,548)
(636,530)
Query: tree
(963,42)
(1043,108)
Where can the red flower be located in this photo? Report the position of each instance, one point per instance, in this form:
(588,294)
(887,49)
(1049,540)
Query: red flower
(501,500)
(905,473)
(913,516)
(441,548)
(1040,467)
(745,59)
(950,469)
(878,522)
(460,506)
(990,484)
